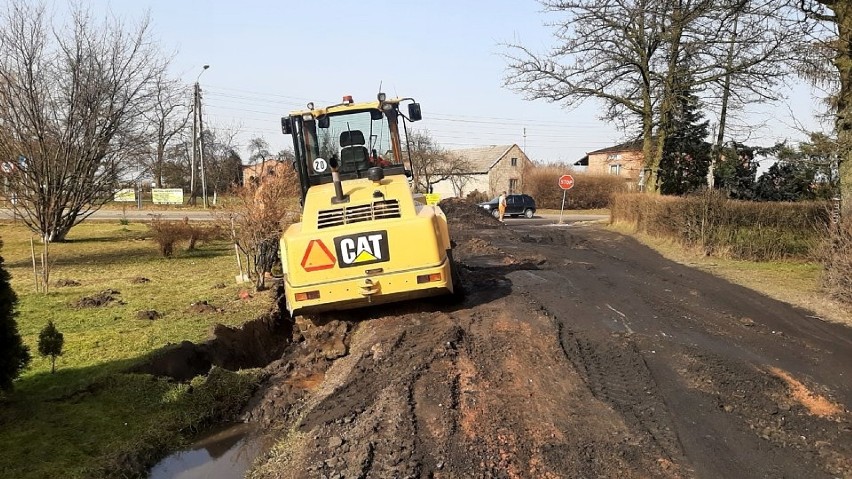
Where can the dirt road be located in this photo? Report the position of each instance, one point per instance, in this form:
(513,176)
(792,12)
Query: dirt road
(576,353)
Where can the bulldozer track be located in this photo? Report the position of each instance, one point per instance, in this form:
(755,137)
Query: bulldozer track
(616,373)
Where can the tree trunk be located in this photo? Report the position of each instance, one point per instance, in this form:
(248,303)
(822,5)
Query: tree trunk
(843,63)
(670,82)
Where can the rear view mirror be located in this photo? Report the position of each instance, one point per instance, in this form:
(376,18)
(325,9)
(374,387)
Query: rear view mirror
(286,126)
(414,112)
(323,121)
(375,114)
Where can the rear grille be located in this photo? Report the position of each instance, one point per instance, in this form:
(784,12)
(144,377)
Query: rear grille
(378,210)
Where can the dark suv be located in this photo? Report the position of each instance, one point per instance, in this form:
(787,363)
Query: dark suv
(516,205)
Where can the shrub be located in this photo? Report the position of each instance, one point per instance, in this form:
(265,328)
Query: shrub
(477,196)
(199,233)
(256,216)
(723,227)
(50,342)
(837,261)
(14,355)
(589,191)
(167,234)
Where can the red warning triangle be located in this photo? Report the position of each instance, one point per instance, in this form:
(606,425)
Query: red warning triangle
(317,258)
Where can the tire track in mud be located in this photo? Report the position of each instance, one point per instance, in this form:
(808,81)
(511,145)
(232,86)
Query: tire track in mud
(613,367)
(617,374)
(398,401)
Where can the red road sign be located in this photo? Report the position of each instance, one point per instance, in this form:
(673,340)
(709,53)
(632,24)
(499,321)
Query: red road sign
(566,182)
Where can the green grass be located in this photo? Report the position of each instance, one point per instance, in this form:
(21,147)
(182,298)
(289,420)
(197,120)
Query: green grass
(77,422)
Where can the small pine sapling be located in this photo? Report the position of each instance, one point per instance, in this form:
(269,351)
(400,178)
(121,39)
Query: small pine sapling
(50,342)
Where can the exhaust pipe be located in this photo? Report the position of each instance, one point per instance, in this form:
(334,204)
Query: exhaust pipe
(339,197)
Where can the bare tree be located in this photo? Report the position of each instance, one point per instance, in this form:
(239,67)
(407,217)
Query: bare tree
(635,55)
(169,118)
(256,214)
(827,62)
(604,51)
(460,173)
(72,101)
(258,149)
(746,53)
(432,164)
(223,165)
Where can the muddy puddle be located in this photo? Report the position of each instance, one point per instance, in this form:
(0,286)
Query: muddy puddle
(226,453)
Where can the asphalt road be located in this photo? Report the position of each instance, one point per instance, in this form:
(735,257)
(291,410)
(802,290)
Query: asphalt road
(207,215)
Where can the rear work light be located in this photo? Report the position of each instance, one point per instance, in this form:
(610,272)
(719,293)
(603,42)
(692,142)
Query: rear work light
(428,278)
(307,295)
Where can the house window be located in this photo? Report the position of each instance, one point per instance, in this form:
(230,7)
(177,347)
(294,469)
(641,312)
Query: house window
(615,170)
(514,162)
(613,156)
(513,185)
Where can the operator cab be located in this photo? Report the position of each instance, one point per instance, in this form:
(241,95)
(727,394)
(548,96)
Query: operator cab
(349,137)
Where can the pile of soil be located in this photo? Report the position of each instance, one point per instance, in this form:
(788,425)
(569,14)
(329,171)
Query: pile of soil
(140,280)
(148,314)
(204,307)
(62,283)
(463,214)
(103,298)
(575,353)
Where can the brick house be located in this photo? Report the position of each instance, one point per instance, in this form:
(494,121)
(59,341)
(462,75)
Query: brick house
(625,160)
(493,169)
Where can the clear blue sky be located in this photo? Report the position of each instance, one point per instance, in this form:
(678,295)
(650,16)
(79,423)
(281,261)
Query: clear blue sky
(269,57)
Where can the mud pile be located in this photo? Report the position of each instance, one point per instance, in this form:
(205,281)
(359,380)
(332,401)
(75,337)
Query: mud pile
(462,214)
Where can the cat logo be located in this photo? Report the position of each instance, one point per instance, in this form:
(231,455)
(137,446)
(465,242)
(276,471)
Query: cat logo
(361,249)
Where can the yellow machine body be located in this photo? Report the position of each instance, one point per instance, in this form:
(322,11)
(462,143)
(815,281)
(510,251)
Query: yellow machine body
(363,239)
(374,249)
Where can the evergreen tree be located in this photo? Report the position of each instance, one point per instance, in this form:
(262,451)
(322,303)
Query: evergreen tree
(735,174)
(806,172)
(14,355)
(50,342)
(786,181)
(686,154)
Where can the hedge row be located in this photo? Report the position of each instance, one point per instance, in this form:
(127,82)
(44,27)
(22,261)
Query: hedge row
(589,191)
(836,256)
(728,228)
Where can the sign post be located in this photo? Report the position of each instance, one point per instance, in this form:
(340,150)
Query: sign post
(566,182)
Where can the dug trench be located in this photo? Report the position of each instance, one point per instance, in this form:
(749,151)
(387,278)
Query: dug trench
(575,353)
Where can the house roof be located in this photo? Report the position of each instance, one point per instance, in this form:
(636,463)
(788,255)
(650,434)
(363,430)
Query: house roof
(483,158)
(633,145)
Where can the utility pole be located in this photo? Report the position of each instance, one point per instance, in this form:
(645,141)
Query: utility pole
(194,139)
(201,152)
(197,146)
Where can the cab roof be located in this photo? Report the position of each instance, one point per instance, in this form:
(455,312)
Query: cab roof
(346,106)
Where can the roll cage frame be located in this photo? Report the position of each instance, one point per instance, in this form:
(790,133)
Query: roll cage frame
(301,124)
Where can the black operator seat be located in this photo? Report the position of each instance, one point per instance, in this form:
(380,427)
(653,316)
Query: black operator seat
(353,154)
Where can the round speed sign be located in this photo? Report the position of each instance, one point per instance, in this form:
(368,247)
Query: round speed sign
(566,182)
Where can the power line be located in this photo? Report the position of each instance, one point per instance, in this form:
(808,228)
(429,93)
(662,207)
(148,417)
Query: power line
(264,98)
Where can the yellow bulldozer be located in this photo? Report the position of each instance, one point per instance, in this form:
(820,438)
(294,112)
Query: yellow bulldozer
(364,237)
